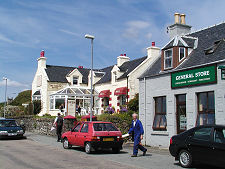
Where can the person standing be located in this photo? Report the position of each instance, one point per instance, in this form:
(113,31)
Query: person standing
(138,131)
(59,125)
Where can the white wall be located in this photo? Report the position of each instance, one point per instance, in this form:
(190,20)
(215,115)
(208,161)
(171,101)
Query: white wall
(161,86)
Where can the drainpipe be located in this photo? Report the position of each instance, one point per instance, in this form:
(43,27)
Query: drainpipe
(145,107)
(127,89)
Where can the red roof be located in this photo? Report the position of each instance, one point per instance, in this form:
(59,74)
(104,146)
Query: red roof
(70,117)
(121,91)
(104,93)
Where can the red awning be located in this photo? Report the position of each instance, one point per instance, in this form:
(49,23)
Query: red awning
(104,93)
(121,91)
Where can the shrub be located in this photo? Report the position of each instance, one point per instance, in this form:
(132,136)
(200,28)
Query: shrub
(133,104)
(36,107)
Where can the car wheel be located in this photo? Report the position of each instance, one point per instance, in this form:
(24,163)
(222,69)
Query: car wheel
(66,144)
(185,158)
(87,148)
(116,150)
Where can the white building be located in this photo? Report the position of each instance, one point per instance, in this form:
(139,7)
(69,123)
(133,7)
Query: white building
(69,87)
(185,87)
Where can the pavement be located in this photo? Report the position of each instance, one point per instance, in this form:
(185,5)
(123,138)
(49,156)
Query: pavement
(43,152)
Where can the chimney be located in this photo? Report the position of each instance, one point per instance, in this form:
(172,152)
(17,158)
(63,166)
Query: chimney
(122,59)
(42,60)
(153,51)
(182,19)
(179,27)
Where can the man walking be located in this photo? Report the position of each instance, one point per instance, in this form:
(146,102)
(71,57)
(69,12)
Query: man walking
(138,131)
(59,125)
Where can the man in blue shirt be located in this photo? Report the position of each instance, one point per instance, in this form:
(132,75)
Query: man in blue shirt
(138,131)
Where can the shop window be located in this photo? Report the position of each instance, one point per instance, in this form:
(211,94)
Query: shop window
(202,134)
(123,100)
(181,53)
(206,108)
(168,56)
(75,80)
(160,121)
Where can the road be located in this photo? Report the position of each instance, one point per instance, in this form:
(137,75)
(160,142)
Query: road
(43,152)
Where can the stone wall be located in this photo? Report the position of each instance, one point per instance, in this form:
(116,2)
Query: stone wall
(42,125)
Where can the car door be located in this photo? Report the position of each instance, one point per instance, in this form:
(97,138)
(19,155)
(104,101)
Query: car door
(199,144)
(83,134)
(218,147)
(74,134)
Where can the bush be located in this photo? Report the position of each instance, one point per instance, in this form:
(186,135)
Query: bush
(23,97)
(36,107)
(133,104)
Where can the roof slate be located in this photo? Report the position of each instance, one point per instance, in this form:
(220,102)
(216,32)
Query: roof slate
(206,38)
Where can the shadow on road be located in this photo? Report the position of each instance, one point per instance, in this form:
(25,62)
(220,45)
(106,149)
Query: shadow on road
(200,166)
(13,138)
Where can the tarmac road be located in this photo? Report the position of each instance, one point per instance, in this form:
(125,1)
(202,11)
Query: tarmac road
(43,152)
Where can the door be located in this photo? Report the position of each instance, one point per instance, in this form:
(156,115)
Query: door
(199,144)
(75,133)
(181,113)
(83,135)
(218,147)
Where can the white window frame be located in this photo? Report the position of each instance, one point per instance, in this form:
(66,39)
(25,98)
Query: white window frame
(167,58)
(184,53)
(77,80)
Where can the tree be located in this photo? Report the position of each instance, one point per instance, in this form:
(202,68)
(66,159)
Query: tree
(23,97)
(133,104)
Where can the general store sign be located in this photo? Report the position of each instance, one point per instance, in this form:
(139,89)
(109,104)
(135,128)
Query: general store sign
(192,77)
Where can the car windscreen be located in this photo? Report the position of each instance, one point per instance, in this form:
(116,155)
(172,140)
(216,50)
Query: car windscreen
(104,127)
(8,123)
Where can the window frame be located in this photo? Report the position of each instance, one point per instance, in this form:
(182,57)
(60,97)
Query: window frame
(208,111)
(165,58)
(210,136)
(162,114)
(184,53)
(77,78)
(83,127)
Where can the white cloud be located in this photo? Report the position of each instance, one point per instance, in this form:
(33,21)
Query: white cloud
(12,83)
(5,39)
(69,32)
(134,28)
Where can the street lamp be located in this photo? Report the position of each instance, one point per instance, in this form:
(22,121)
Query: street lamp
(4,78)
(91,105)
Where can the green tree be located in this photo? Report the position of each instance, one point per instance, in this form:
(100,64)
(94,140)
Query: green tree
(133,104)
(23,97)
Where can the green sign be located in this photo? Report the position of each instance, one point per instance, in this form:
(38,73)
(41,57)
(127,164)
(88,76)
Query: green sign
(192,77)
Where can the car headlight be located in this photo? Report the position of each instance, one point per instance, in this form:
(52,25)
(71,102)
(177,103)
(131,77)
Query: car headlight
(20,131)
(3,132)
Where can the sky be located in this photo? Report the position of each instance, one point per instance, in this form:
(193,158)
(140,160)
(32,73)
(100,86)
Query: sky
(58,27)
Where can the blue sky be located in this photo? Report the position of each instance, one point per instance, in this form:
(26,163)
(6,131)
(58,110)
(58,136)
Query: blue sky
(58,27)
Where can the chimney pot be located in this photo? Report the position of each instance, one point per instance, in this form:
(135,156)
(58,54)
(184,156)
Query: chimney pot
(124,54)
(182,19)
(153,43)
(42,54)
(121,54)
(177,18)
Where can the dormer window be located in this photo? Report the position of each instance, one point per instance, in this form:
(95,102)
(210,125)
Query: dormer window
(181,53)
(168,56)
(75,80)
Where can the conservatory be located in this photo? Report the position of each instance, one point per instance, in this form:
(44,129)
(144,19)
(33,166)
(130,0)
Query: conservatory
(71,98)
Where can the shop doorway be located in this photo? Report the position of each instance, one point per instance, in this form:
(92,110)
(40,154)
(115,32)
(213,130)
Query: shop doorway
(181,113)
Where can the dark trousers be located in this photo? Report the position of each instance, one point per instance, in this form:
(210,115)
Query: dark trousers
(138,146)
(59,132)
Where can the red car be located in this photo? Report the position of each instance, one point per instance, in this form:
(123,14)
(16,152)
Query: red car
(93,136)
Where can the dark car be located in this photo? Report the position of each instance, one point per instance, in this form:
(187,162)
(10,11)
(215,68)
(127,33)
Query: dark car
(10,129)
(203,144)
(93,136)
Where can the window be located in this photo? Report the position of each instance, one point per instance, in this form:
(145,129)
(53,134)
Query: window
(123,100)
(206,108)
(160,121)
(84,128)
(115,76)
(77,128)
(75,80)
(104,127)
(168,55)
(59,102)
(219,136)
(106,101)
(202,134)
(51,103)
(181,53)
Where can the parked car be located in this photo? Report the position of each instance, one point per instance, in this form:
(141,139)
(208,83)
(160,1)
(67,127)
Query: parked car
(203,144)
(93,136)
(10,129)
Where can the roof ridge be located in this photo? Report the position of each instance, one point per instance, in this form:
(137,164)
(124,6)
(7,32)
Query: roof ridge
(202,29)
